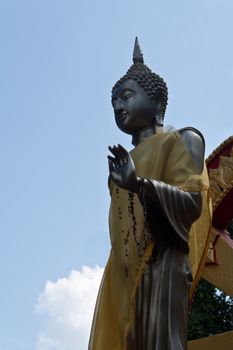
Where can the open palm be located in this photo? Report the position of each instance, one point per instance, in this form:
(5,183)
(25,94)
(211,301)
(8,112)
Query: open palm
(122,168)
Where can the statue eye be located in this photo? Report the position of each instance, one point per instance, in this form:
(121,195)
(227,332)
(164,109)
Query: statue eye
(126,96)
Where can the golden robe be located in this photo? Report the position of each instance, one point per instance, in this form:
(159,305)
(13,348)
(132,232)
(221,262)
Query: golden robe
(163,158)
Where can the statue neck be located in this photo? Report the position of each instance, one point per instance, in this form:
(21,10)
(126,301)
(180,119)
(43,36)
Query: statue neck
(142,134)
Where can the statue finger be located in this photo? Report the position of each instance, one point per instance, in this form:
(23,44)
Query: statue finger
(110,164)
(114,150)
(115,163)
(113,174)
(125,154)
(120,155)
(123,149)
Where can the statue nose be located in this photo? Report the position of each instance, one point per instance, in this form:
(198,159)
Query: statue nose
(118,105)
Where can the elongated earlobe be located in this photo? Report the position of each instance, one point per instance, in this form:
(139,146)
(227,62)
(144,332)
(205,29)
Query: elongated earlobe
(158,120)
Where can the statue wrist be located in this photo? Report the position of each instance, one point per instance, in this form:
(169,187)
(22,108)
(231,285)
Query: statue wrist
(138,184)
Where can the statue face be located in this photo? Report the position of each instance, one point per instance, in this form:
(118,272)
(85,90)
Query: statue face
(133,108)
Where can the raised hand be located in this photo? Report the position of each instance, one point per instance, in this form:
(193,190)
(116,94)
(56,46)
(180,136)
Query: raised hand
(122,169)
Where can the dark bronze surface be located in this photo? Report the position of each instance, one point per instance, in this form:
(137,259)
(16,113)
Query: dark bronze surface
(162,297)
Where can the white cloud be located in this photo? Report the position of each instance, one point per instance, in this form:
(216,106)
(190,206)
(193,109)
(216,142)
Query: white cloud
(68,304)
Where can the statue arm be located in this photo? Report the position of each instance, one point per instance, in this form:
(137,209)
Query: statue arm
(165,205)
(168,206)
(179,208)
(195,143)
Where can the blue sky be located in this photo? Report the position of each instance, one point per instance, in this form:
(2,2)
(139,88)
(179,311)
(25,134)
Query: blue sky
(58,63)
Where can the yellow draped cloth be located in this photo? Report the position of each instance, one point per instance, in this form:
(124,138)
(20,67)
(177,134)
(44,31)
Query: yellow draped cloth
(162,157)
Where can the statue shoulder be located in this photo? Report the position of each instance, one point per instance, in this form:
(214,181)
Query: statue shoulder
(195,142)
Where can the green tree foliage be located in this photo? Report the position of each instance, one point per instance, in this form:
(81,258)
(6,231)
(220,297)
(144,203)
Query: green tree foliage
(211,312)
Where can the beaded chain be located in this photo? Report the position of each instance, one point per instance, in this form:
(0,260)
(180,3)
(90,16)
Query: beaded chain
(126,239)
(142,195)
(131,214)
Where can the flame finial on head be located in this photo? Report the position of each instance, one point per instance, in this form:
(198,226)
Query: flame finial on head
(137,53)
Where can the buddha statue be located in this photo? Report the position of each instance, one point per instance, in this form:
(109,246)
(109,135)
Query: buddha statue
(159,222)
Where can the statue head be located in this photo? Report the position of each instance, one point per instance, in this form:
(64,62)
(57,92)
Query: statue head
(150,85)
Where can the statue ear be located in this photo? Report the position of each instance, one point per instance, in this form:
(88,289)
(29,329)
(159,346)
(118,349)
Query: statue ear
(159,106)
(158,120)
(158,116)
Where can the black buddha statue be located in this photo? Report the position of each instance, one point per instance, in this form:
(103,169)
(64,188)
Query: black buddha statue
(158,195)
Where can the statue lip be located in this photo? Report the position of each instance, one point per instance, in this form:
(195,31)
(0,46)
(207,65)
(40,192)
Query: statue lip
(122,115)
